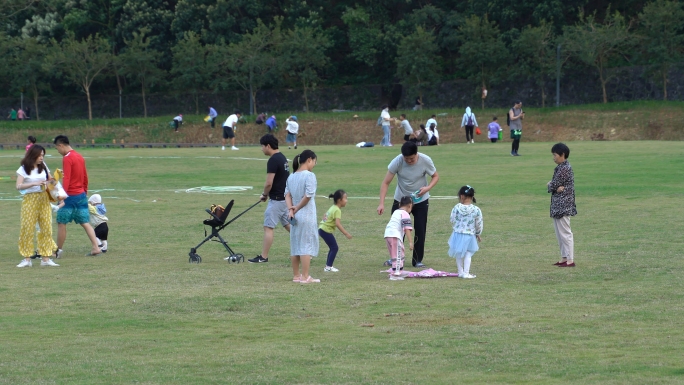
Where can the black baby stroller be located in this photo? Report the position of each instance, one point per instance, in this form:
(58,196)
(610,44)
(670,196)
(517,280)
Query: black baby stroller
(218,223)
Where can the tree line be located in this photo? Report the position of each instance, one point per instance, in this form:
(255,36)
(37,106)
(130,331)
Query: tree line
(192,46)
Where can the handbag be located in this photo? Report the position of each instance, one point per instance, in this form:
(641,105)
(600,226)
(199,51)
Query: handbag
(216,210)
(478,131)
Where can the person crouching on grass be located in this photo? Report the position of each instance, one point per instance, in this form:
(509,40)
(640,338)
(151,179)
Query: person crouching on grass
(98,220)
(466,219)
(331,220)
(562,190)
(398,227)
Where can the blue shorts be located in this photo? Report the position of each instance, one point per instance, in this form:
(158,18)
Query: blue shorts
(291,138)
(75,209)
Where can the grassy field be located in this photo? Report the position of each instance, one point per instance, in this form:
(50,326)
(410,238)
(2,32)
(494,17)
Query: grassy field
(142,314)
(640,120)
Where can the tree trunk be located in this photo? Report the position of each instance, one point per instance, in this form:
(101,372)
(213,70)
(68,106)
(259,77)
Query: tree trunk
(144,101)
(90,106)
(665,85)
(543,93)
(254,105)
(603,87)
(35,101)
(306,97)
(118,84)
(603,81)
(196,103)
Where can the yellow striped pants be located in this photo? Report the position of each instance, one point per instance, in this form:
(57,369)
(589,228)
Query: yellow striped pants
(35,208)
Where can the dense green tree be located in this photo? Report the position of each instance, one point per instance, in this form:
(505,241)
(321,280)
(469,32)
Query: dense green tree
(27,60)
(251,63)
(483,53)
(303,52)
(598,44)
(79,61)
(85,18)
(141,62)
(155,16)
(534,51)
(190,70)
(372,43)
(417,61)
(663,33)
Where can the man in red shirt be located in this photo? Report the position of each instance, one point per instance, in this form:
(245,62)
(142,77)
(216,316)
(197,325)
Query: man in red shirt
(75,184)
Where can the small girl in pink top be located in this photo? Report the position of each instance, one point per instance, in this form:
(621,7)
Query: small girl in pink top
(398,227)
(31,142)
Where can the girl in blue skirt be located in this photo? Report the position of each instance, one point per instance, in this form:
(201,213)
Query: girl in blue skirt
(466,219)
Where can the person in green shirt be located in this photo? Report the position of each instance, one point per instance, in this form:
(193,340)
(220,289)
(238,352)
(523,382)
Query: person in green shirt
(331,220)
(13,114)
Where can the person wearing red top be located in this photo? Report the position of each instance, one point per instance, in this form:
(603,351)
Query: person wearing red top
(75,183)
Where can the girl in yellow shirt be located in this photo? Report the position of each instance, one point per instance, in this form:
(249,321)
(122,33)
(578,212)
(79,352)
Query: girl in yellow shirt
(331,220)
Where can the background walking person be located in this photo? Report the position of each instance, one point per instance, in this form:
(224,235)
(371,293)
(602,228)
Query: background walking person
(469,122)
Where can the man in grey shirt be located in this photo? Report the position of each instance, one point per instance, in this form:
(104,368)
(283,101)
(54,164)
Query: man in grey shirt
(411,169)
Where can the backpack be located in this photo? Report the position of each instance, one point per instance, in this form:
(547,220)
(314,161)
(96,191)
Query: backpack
(380,120)
(470,120)
(508,118)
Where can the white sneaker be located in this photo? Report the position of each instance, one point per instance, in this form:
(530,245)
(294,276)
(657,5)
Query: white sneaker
(48,263)
(331,268)
(25,263)
(396,277)
(234,148)
(223,148)
(468,276)
(59,253)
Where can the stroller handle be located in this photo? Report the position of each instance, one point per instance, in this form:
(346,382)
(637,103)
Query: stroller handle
(239,215)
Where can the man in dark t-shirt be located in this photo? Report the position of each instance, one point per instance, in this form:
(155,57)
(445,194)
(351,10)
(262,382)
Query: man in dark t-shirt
(277,171)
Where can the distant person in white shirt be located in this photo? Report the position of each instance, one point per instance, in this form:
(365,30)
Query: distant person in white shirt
(430,121)
(229,127)
(212,116)
(177,121)
(292,131)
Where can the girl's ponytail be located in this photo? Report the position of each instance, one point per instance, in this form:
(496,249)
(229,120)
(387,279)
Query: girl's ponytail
(295,163)
(337,195)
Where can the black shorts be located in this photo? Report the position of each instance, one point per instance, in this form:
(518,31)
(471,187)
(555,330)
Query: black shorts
(228,132)
(101,231)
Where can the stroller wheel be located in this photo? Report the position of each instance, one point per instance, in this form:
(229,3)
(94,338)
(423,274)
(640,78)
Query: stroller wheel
(194,258)
(235,258)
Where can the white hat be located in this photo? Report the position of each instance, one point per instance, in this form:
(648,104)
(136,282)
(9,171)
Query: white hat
(95,199)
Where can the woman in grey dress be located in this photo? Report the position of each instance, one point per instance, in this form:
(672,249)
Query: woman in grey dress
(300,193)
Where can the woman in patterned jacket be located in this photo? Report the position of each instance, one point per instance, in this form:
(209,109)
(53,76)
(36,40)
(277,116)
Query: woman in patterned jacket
(562,190)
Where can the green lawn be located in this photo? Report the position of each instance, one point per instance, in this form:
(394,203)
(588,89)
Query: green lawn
(142,314)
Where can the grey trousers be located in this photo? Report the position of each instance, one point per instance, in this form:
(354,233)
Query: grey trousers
(564,236)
